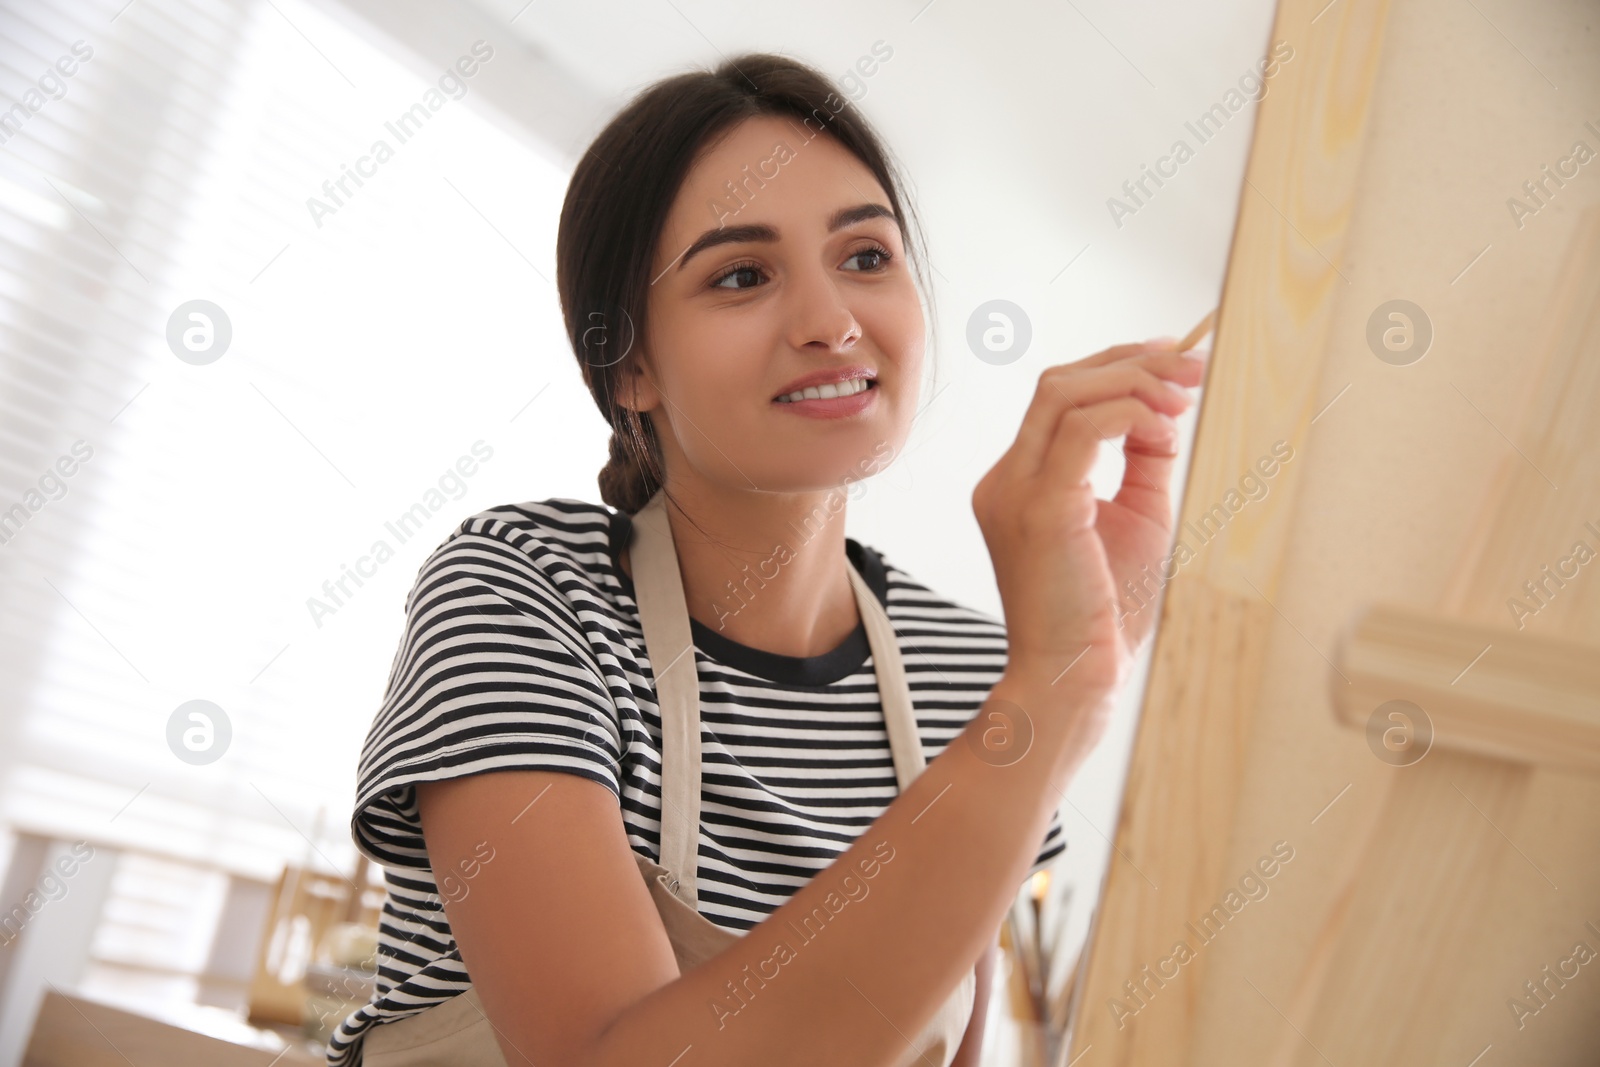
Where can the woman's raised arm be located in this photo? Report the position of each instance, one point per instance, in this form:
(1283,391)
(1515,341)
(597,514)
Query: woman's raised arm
(561,937)
(569,957)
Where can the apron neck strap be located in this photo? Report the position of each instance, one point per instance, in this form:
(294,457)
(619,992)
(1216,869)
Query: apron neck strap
(668,639)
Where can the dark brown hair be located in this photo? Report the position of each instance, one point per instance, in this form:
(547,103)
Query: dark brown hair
(616,207)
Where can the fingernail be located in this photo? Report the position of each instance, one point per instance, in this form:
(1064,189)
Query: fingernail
(1162,342)
(1199,355)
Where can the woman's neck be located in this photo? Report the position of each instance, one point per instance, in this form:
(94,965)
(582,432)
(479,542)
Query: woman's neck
(769,571)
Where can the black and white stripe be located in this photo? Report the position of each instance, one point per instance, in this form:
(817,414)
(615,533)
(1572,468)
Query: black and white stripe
(522,650)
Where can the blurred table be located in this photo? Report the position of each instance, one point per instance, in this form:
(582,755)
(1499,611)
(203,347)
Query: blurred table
(74,1031)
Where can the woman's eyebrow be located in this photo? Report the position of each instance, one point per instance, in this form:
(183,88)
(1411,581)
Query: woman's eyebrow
(722,235)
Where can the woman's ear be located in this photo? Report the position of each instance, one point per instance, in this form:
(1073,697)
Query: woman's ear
(636,388)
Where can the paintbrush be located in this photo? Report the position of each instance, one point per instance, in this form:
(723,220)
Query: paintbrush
(1195,335)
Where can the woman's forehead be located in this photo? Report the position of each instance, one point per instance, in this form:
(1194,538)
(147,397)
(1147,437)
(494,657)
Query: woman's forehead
(767,171)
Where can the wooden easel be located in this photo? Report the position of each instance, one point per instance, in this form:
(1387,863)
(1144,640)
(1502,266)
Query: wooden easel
(1443,877)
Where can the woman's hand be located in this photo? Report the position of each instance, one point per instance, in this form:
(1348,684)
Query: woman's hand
(1061,555)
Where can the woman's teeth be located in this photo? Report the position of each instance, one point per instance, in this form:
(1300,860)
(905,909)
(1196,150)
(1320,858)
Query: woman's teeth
(825,392)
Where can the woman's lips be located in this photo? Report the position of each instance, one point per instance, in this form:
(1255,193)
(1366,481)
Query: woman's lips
(835,407)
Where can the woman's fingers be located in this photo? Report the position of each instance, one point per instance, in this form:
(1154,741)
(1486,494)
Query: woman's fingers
(1147,473)
(1156,379)
(1136,377)
(1182,368)
(1116,352)
(1075,446)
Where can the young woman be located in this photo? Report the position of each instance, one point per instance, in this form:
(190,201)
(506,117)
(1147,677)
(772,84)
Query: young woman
(696,778)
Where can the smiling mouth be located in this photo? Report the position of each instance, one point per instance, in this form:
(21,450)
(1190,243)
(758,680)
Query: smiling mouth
(829,391)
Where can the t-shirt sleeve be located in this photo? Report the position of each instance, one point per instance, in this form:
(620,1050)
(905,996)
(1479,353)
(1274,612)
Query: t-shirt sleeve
(492,673)
(1055,843)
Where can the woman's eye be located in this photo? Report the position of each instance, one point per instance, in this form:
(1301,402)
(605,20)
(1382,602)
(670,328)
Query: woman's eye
(882,255)
(749,271)
(750,275)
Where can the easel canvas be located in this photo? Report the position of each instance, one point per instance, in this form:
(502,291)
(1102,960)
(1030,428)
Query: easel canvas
(1364,798)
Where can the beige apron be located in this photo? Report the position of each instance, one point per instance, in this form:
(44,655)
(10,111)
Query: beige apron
(457,1032)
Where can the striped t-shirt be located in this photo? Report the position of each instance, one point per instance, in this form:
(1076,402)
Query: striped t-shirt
(522,651)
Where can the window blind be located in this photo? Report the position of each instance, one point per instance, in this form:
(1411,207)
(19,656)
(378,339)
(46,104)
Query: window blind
(168,520)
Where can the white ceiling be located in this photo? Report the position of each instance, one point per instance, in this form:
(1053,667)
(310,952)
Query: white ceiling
(1038,112)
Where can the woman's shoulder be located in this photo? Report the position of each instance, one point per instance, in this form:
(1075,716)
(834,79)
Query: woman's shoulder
(551,540)
(562,523)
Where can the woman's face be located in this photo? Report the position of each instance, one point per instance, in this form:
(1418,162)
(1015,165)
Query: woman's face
(802,290)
